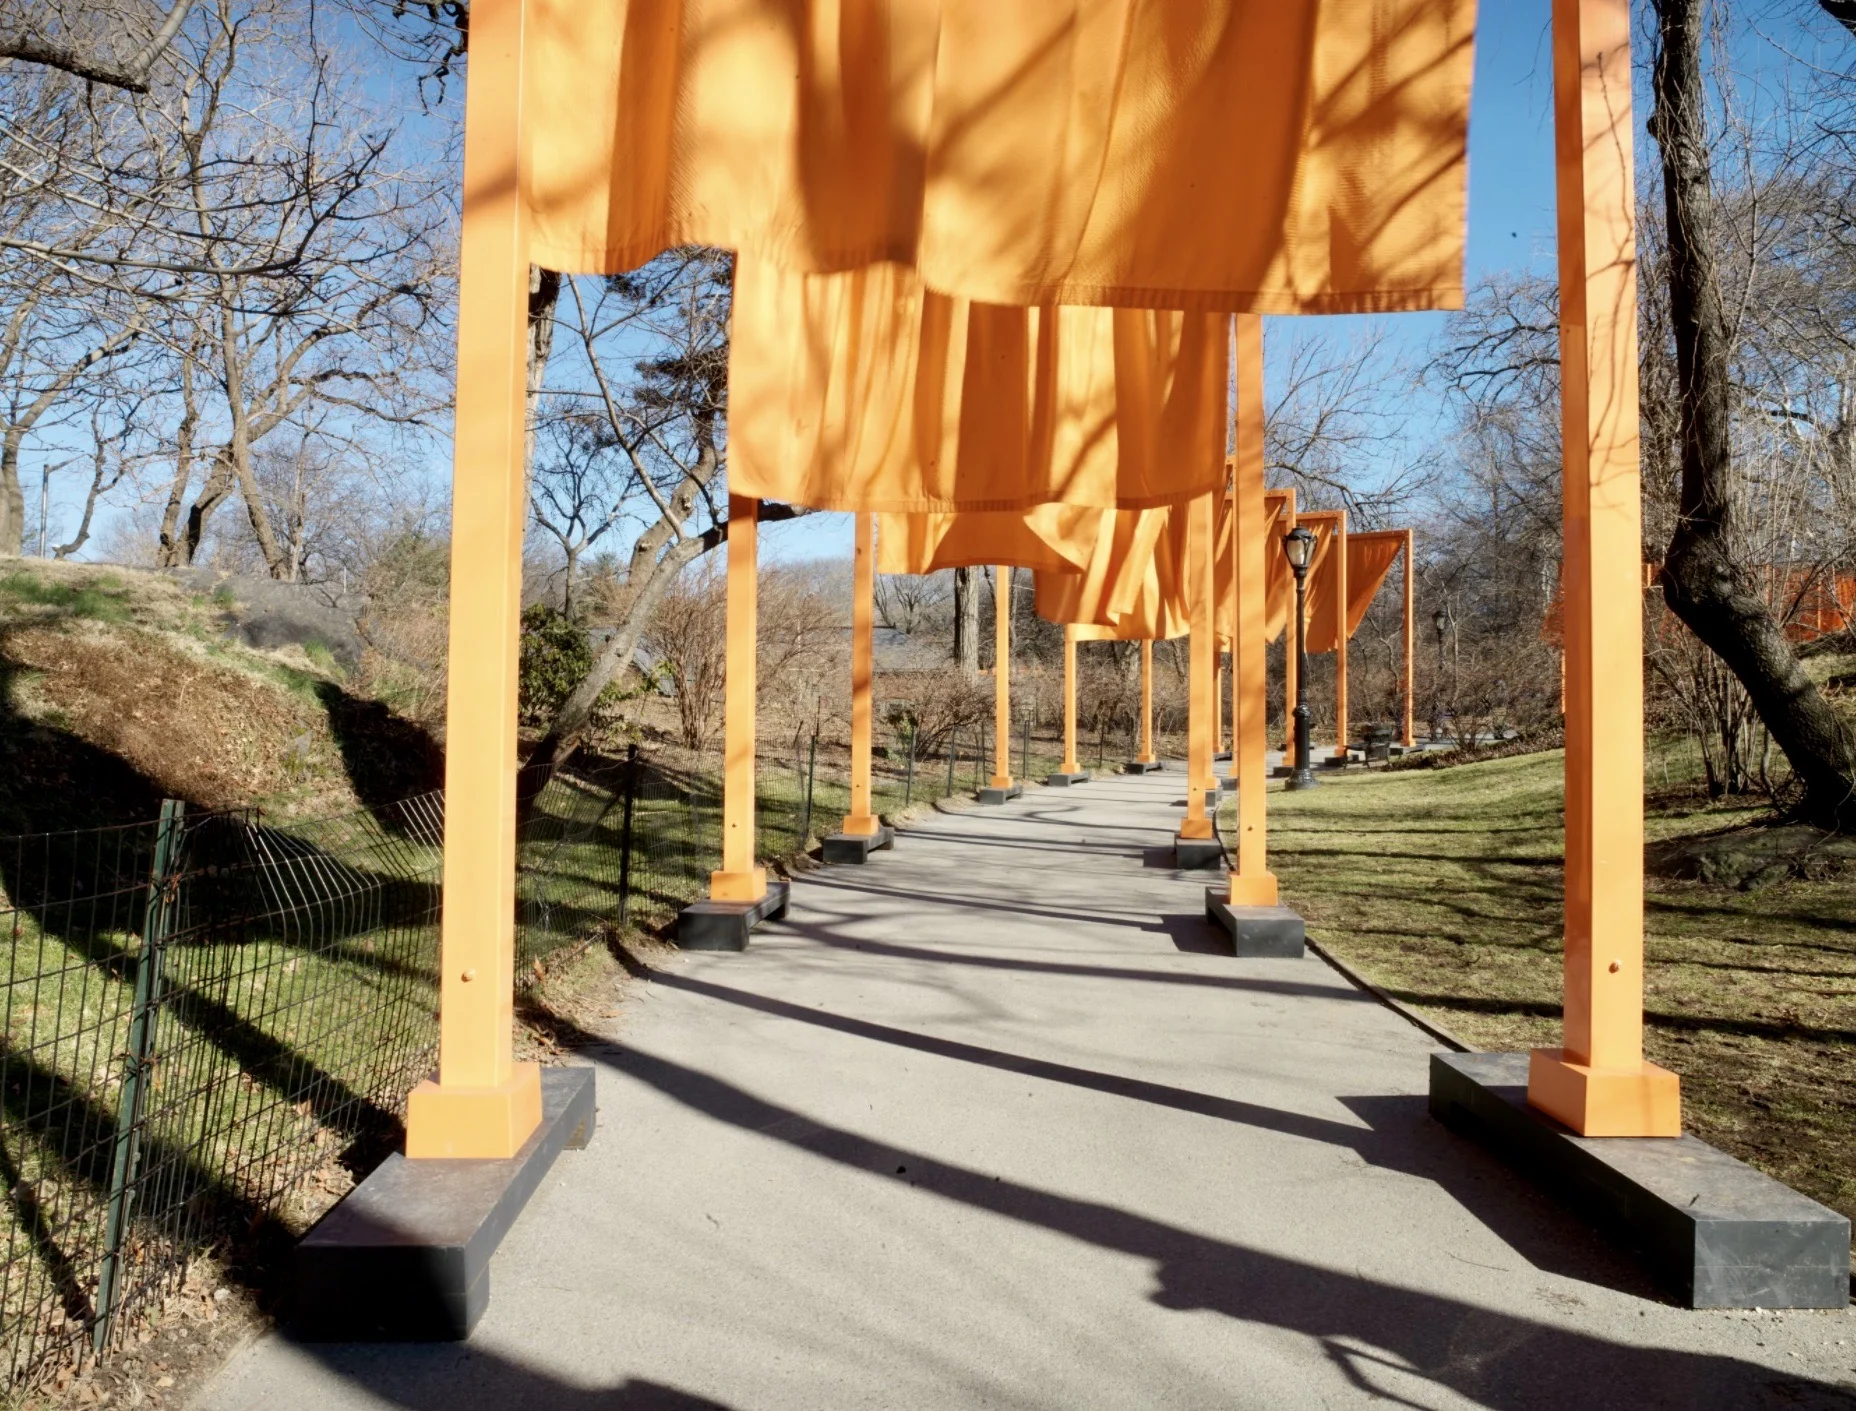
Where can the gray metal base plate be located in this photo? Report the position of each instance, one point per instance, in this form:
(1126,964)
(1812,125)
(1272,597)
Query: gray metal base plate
(857,847)
(1197,852)
(1718,1233)
(1273,931)
(406,1256)
(1142,766)
(1063,781)
(990,795)
(1228,784)
(726,925)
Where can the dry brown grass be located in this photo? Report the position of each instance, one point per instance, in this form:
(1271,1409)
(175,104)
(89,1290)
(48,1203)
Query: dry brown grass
(1444,887)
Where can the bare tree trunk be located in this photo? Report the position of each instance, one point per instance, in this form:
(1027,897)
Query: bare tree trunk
(217,489)
(168,553)
(967,620)
(1702,583)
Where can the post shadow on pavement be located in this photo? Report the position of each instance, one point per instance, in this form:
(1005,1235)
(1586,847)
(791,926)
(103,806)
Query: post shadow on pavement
(1399,1135)
(447,1377)
(1258,984)
(1377,1333)
(875,887)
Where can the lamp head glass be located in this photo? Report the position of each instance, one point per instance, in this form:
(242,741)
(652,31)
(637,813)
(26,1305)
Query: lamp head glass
(1298,545)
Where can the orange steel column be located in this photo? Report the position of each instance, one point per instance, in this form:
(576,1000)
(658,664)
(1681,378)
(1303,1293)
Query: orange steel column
(861,821)
(1002,678)
(484,1104)
(1069,765)
(1147,702)
(1217,702)
(1406,738)
(1290,684)
(1252,883)
(1202,643)
(740,878)
(1598,1083)
(1339,550)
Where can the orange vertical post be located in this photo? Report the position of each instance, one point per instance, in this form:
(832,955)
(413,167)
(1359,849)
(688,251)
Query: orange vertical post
(1201,644)
(1598,1083)
(1339,550)
(862,821)
(1069,765)
(1290,666)
(1251,884)
(1002,678)
(1147,702)
(1217,702)
(1406,737)
(484,1104)
(740,879)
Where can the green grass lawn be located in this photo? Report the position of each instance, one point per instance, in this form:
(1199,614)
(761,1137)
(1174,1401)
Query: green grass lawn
(1444,887)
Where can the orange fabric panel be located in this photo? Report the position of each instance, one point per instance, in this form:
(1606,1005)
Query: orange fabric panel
(862,391)
(1135,581)
(1290,157)
(1050,539)
(1370,557)
(1278,576)
(1324,524)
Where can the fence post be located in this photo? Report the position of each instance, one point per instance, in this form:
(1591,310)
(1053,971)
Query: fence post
(157,926)
(805,826)
(908,778)
(953,742)
(625,835)
(1024,749)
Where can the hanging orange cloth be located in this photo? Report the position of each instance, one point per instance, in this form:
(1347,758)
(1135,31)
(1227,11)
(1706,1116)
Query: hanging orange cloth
(1288,157)
(1135,578)
(1050,539)
(1278,577)
(1323,579)
(1370,556)
(862,391)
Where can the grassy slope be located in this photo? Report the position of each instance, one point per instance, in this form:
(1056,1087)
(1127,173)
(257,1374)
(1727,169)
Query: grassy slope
(1445,888)
(119,687)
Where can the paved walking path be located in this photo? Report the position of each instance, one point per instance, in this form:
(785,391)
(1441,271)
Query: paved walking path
(991,1122)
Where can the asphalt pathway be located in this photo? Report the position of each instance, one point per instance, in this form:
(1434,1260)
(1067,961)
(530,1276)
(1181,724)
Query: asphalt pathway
(995,1121)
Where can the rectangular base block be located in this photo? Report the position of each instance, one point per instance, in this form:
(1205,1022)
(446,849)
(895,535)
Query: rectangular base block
(406,1255)
(1228,784)
(1142,766)
(857,847)
(1273,931)
(1063,781)
(1718,1233)
(1334,761)
(1197,852)
(990,795)
(725,925)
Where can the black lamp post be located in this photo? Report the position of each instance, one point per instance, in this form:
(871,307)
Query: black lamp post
(1440,620)
(1298,546)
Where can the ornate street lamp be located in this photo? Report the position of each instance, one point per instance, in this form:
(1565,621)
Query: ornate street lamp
(1298,546)
(1440,620)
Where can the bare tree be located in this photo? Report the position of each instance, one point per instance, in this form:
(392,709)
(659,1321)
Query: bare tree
(113,42)
(1705,582)
(246,219)
(911,603)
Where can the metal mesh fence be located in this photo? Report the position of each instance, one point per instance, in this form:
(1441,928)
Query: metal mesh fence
(209,1022)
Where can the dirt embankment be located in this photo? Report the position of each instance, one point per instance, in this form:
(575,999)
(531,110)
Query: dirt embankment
(119,687)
